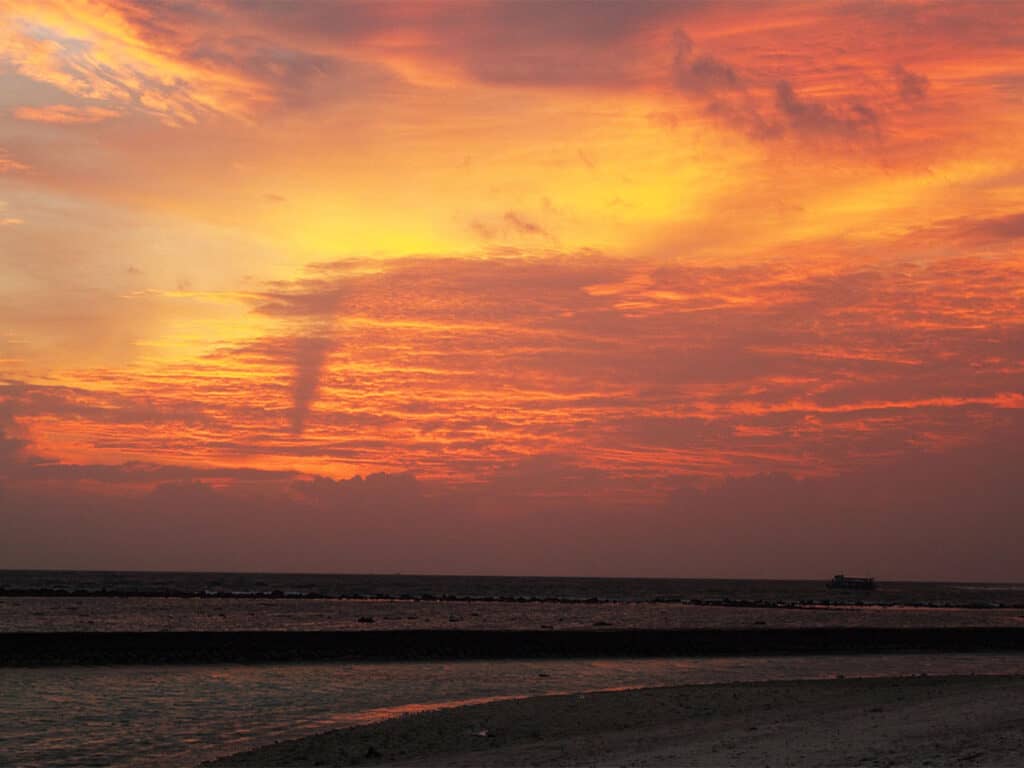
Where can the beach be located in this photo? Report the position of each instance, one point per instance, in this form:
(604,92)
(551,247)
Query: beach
(901,721)
(172,669)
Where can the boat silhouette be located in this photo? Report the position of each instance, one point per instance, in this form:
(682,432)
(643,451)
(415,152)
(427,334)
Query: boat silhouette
(839,581)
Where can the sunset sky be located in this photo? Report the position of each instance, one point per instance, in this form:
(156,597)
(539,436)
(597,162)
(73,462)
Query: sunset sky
(597,288)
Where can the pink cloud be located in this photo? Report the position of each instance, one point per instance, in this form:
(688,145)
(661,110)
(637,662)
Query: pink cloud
(65,114)
(9,164)
(452,368)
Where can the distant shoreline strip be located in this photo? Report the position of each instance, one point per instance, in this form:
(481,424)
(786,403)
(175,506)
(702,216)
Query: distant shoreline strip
(23,649)
(846,599)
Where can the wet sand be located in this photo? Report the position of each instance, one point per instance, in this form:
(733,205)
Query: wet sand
(920,721)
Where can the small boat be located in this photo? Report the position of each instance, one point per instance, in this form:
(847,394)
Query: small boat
(839,581)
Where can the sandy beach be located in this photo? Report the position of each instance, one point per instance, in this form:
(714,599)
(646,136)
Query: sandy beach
(919,721)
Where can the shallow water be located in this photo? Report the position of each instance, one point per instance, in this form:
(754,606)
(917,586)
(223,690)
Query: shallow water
(173,716)
(764,591)
(156,614)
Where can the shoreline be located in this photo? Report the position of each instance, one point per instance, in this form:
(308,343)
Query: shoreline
(24,649)
(906,721)
(850,599)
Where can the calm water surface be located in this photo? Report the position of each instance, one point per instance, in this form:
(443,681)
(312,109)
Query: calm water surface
(766,591)
(107,601)
(177,716)
(158,614)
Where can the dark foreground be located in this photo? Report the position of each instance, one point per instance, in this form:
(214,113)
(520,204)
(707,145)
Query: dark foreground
(58,648)
(871,722)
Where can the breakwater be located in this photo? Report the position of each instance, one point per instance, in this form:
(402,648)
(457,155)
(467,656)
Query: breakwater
(91,648)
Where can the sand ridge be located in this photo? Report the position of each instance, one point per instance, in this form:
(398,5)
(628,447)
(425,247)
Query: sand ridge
(918,721)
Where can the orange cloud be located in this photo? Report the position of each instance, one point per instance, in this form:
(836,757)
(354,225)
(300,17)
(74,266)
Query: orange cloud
(452,368)
(9,164)
(114,53)
(64,113)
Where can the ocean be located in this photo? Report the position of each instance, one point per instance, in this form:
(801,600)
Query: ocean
(110,601)
(481,588)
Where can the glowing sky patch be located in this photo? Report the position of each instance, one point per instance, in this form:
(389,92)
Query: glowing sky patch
(583,271)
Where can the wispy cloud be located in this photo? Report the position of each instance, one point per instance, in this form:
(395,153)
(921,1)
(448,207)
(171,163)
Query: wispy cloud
(64,113)
(8,164)
(913,86)
(700,74)
(649,370)
(813,118)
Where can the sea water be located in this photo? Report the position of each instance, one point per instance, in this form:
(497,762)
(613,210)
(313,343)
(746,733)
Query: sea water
(124,601)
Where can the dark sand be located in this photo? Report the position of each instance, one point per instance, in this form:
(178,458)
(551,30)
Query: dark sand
(921,721)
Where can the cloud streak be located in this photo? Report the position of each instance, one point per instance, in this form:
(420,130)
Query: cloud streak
(813,118)
(8,164)
(451,368)
(65,114)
